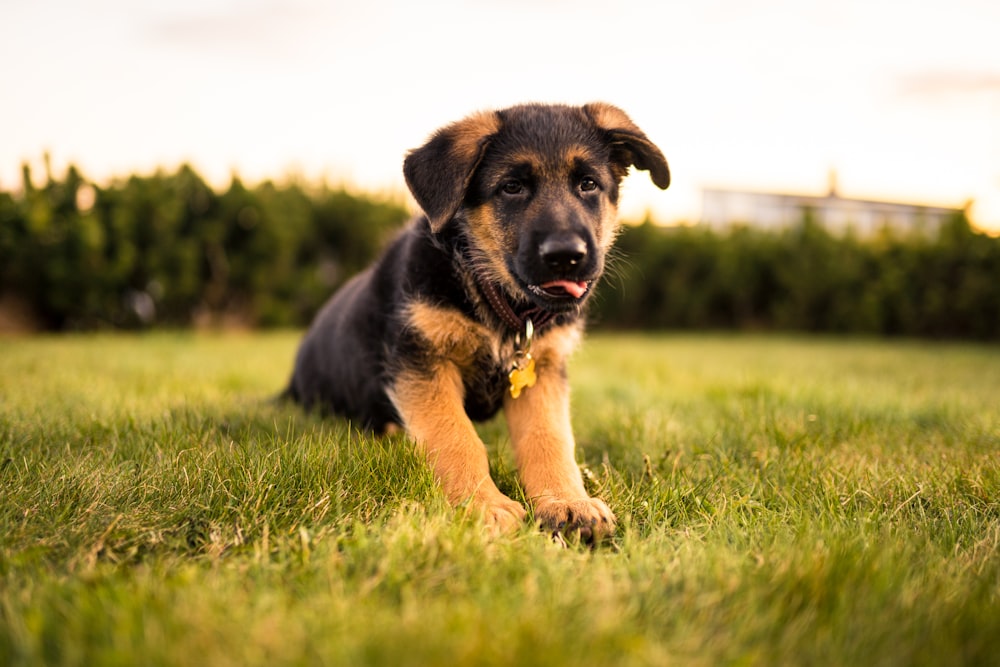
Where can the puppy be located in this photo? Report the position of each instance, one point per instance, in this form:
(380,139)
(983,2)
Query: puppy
(475,306)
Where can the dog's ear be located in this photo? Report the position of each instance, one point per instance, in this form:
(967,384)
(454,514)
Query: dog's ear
(438,173)
(629,146)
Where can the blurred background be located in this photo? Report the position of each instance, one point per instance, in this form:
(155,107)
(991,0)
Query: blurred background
(221,163)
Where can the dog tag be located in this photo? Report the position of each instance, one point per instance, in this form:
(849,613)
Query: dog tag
(523,374)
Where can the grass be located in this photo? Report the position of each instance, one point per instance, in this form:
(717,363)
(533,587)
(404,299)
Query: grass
(782,500)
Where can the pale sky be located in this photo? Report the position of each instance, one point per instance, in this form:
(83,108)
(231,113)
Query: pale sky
(901,98)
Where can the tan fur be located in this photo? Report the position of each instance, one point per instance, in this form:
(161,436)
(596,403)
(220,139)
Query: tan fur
(430,404)
(453,336)
(609,117)
(470,131)
(492,245)
(607,232)
(540,429)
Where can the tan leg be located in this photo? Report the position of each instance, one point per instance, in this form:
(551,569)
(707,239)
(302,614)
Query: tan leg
(542,436)
(431,405)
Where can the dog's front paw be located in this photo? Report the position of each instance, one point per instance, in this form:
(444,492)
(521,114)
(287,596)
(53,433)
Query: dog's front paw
(501,514)
(590,518)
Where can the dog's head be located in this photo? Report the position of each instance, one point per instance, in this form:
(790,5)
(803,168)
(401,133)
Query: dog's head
(535,188)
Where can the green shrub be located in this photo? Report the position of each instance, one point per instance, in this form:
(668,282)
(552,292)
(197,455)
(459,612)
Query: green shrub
(168,250)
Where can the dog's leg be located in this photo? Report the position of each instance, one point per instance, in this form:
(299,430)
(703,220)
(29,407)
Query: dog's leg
(539,424)
(431,405)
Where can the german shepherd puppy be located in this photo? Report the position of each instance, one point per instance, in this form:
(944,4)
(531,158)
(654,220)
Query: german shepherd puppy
(475,306)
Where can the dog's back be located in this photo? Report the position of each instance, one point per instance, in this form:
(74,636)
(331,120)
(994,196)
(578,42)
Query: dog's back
(340,367)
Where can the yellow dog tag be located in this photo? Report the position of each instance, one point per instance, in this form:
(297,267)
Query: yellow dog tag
(523,375)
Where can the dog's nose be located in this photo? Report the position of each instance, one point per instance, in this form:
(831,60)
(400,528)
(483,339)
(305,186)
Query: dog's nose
(563,253)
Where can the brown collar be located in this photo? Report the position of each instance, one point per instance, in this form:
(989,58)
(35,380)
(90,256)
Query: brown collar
(516,320)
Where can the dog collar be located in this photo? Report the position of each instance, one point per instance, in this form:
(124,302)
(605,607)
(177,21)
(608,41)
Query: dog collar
(522,372)
(523,323)
(515,320)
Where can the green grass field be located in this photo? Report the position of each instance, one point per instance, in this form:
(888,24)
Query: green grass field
(782,501)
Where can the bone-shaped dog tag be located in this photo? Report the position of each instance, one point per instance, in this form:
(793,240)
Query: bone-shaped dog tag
(523,374)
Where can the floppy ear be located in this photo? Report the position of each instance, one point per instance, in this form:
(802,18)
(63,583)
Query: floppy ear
(629,146)
(438,173)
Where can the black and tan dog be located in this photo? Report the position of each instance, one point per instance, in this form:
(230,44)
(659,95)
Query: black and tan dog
(476,305)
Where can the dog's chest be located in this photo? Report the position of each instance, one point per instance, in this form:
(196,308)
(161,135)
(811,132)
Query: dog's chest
(485,382)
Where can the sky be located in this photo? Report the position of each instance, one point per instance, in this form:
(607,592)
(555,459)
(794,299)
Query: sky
(900,99)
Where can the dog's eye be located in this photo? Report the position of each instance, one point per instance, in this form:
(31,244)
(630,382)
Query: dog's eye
(588,184)
(512,187)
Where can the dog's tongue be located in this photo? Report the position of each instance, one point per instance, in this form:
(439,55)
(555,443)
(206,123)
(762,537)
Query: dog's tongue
(574,289)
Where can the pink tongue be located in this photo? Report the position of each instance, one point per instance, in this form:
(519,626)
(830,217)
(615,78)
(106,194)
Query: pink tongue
(576,290)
